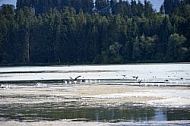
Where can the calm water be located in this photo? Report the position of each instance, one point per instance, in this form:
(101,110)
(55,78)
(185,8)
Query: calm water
(126,113)
(164,74)
(56,76)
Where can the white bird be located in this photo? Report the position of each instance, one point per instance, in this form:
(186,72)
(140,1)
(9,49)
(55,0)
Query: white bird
(66,82)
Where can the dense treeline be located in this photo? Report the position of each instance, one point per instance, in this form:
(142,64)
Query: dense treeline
(81,31)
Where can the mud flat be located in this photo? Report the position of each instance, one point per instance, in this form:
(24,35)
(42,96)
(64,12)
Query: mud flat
(20,106)
(99,95)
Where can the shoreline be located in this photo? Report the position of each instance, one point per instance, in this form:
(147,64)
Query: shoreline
(83,123)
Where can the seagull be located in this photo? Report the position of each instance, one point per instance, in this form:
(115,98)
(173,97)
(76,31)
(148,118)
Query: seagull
(66,82)
(4,86)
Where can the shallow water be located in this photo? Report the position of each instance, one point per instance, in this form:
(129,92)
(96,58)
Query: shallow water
(148,74)
(51,78)
(125,113)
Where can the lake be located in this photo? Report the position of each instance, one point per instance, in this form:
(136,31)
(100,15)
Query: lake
(113,94)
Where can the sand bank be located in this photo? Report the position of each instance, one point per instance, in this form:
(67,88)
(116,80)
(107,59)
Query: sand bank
(96,94)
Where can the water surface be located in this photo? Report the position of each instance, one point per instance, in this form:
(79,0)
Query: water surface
(53,77)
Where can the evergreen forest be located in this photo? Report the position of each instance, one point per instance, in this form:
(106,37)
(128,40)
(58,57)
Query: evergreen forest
(94,32)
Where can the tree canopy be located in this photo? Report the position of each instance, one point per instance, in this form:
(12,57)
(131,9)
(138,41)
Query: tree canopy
(88,31)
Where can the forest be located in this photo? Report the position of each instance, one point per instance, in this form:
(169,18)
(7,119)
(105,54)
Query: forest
(94,32)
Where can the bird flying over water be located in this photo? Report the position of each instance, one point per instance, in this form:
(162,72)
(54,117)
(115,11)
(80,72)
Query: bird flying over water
(75,78)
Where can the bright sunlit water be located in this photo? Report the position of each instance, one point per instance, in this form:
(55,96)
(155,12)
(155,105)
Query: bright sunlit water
(169,74)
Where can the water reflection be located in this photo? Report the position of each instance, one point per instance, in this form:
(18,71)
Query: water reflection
(125,113)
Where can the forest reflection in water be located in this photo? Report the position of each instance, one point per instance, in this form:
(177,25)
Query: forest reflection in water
(124,113)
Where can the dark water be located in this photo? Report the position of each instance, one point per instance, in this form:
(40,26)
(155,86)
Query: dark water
(57,111)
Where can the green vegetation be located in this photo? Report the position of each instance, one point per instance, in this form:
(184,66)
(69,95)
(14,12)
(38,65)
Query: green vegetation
(80,32)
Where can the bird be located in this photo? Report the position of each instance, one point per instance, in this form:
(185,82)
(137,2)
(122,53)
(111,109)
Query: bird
(83,80)
(74,80)
(5,86)
(139,81)
(124,76)
(66,82)
(136,77)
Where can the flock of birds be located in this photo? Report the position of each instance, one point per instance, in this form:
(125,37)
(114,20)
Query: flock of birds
(79,79)
(134,79)
(5,86)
